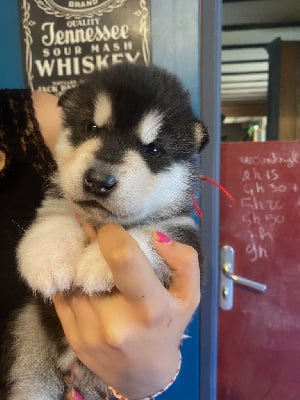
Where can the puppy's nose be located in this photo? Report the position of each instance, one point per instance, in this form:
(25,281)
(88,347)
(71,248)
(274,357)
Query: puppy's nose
(97,183)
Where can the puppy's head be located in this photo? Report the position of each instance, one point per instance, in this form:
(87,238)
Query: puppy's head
(126,151)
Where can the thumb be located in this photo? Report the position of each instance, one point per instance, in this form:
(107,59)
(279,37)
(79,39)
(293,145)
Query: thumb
(132,271)
(183,261)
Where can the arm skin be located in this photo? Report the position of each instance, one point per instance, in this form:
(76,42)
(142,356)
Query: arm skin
(48,115)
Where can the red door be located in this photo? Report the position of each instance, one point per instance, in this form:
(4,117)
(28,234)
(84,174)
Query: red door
(259,337)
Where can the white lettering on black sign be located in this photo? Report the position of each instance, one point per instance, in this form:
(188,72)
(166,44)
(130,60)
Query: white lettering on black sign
(64,41)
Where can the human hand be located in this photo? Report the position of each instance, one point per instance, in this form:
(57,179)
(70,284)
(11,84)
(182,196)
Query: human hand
(130,338)
(48,115)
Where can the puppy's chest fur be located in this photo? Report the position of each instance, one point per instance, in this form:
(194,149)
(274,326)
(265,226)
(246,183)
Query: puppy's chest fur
(126,155)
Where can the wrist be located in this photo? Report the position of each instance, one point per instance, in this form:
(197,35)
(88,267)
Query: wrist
(153,395)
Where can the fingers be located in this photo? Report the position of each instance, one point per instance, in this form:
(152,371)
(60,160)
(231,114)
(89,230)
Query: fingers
(74,306)
(183,260)
(77,316)
(65,314)
(134,276)
(132,272)
(61,306)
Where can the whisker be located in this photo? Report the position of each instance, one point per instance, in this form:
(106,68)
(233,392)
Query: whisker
(18,225)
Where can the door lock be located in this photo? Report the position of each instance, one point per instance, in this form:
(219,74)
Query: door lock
(228,278)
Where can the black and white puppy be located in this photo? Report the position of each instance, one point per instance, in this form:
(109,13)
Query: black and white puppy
(126,154)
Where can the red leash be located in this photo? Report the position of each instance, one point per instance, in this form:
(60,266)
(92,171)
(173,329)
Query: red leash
(218,185)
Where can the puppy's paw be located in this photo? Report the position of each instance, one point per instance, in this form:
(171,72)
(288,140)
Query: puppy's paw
(92,272)
(48,253)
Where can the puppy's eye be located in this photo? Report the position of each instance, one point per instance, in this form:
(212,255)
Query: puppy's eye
(91,128)
(152,149)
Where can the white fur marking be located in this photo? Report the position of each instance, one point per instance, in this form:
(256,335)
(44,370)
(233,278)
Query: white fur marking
(153,192)
(149,126)
(103,110)
(74,164)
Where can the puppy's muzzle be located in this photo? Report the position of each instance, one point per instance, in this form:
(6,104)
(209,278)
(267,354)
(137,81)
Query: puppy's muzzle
(100,184)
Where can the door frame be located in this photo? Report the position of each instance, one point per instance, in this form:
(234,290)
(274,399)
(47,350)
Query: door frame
(210,113)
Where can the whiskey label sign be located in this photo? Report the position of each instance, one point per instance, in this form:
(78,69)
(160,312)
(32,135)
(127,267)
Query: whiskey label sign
(65,40)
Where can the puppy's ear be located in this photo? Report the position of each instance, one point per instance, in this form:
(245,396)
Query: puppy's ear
(68,97)
(201,135)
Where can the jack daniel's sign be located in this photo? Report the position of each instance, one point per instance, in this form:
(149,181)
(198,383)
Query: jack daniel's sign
(65,40)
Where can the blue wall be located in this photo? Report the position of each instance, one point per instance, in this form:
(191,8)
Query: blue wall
(11,70)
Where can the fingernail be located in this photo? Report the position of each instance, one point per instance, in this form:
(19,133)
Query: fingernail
(162,237)
(77,396)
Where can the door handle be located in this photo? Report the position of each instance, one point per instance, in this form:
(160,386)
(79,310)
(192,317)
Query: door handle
(261,287)
(228,278)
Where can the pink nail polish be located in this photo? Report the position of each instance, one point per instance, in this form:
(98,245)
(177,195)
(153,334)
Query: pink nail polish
(162,237)
(77,396)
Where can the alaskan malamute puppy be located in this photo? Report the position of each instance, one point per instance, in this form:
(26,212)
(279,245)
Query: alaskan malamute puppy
(126,154)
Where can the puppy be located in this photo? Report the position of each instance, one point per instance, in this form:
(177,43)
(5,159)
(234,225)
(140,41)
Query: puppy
(126,154)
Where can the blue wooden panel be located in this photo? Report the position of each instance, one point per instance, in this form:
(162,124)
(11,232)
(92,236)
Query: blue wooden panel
(175,41)
(175,46)
(11,69)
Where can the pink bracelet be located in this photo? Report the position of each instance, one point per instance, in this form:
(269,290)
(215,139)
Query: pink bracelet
(119,396)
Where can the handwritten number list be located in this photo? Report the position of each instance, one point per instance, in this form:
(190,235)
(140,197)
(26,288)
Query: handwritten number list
(265,194)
